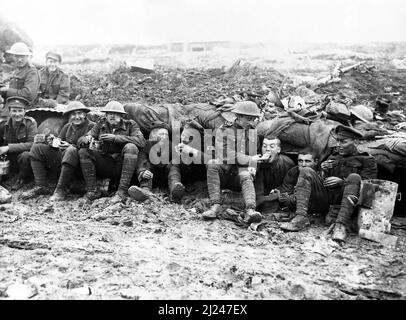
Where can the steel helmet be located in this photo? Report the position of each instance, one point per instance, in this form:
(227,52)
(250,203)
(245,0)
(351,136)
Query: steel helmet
(114,106)
(20,48)
(76,105)
(363,113)
(247,108)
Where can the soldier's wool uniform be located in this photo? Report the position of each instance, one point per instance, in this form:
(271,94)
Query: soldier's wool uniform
(230,170)
(117,159)
(54,85)
(45,158)
(25,83)
(270,176)
(19,139)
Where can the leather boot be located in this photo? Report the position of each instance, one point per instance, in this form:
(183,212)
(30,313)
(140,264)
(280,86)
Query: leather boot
(212,212)
(139,193)
(298,223)
(177,192)
(339,232)
(37,191)
(252,216)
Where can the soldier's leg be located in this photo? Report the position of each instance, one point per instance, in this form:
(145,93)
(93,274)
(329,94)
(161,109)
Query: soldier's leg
(70,161)
(24,164)
(143,192)
(88,165)
(176,188)
(215,171)
(129,162)
(352,188)
(246,182)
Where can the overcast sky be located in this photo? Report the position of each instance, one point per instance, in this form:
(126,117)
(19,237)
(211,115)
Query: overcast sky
(51,22)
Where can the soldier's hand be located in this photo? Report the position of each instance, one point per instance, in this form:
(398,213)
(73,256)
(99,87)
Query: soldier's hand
(3,150)
(327,164)
(107,137)
(283,197)
(147,175)
(332,182)
(63,145)
(252,171)
(84,141)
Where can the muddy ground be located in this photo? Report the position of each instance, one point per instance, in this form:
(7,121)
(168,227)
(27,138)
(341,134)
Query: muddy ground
(158,250)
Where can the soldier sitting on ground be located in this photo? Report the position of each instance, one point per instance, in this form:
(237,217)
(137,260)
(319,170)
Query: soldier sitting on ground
(343,172)
(114,154)
(155,167)
(236,161)
(270,173)
(54,83)
(24,82)
(16,138)
(59,155)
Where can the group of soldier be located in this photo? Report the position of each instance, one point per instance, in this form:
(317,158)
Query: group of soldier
(114,147)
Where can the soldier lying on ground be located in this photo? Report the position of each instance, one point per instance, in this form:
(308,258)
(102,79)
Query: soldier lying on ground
(343,172)
(16,138)
(59,155)
(119,141)
(270,173)
(235,165)
(54,83)
(25,79)
(155,167)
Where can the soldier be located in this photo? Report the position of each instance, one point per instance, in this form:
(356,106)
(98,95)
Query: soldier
(271,172)
(54,83)
(155,167)
(59,155)
(16,138)
(119,141)
(343,172)
(235,167)
(25,79)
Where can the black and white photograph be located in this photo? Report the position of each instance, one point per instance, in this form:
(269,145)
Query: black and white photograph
(202,150)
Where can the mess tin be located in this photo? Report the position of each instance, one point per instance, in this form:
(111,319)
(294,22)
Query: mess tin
(56,143)
(95,145)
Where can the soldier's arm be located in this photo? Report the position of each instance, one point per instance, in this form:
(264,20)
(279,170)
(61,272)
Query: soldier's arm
(62,134)
(30,88)
(143,162)
(135,136)
(64,90)
(32,130)
(369,168)
(259,188)
(289,181)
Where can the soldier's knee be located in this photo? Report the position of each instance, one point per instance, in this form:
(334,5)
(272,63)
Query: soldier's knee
(84,153)
(37,149)
(306,172)
(213,164)
(353,178)
(24,157)
(130,148)
(245,175)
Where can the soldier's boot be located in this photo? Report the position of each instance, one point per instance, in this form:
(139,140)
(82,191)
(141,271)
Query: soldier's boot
(127,171)
(332,214)
(212,212)
(351,189)
(89,174)
(63,183)
(252,216)
(35,192)
(302,193)
(140,193)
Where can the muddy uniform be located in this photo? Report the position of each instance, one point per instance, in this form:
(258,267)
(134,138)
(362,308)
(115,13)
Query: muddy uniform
(230,169)
(270,176)
(54,85)
(24,83)
(163,172)
(46,158)
(306,182)
(19,141)
(114,158)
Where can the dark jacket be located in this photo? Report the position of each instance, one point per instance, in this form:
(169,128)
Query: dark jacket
(127,132)
(270,176)
(18,139)
(361,163)
(71,133)
(24,83)
(147,159)
(54,85)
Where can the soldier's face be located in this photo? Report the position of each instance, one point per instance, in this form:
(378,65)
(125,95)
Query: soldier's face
(247,121)
(306,161)
(17,114)
(20,61)
(271,146)
(52,64)
(113,118)
(346,146)
(77,117)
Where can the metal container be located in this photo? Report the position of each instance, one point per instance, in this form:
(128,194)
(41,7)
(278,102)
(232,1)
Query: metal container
(4,167)
(376,218)
(95,145)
